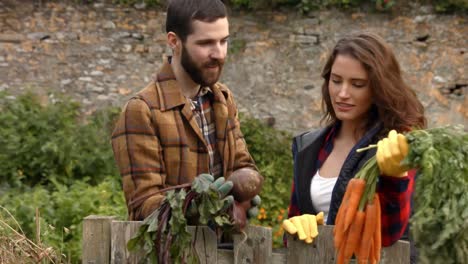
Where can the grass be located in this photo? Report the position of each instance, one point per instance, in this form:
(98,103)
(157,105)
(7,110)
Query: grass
(15,247)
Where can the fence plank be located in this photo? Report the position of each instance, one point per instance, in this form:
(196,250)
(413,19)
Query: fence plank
(206,244)
(278,256)
(320,251)
(96,239)
(255,248)
(225,256)
(397,253)
(122,232)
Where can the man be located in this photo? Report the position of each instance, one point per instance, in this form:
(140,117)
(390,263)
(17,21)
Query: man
(185,122)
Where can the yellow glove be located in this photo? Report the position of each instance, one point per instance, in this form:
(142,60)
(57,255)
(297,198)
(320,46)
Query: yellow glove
(390,152)
(305,226)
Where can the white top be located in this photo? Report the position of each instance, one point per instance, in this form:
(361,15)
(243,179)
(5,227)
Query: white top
(320,192)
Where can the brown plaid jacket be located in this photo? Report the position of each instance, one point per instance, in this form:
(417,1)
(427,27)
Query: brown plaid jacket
(157,142)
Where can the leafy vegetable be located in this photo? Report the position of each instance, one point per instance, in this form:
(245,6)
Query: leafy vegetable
(156,234)
(440,222)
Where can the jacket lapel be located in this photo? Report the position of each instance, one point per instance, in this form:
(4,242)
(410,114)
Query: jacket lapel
(224,139)
(188,114)
(307,147)
(171,97)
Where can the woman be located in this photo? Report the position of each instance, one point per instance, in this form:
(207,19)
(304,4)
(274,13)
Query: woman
(364,97)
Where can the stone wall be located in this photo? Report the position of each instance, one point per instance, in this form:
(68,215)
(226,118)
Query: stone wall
(100,55)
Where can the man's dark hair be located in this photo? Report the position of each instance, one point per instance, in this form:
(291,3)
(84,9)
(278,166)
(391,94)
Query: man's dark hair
(181,13)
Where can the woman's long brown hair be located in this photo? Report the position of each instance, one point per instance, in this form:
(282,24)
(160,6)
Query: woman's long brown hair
(395,104)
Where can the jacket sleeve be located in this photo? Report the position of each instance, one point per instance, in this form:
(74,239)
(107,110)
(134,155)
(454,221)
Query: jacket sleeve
(293,208)
(138,155)
(242,157)
(395,202)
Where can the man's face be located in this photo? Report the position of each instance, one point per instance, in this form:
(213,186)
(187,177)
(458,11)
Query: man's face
(204,51)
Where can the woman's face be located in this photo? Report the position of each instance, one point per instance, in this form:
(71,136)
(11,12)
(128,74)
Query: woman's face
(349,89)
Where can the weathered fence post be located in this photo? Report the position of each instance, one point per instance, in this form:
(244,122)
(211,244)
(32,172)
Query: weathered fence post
(255,248)
(320,251)
(96,239)
(205,244)
(122,232)
(397,253)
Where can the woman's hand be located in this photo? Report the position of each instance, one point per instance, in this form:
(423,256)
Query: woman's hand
(390,152)
(305,226)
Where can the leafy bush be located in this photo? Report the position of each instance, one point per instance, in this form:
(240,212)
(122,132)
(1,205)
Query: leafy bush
(271,150)
(451,5)
(62,211)
(44,143)
(60,161)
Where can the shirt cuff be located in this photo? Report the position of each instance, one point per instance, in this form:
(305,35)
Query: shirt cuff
(393,184)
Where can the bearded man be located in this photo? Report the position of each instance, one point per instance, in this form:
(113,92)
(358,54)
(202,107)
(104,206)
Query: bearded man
(184,123)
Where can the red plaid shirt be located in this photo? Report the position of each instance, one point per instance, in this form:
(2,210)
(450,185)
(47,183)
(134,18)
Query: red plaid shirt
(394,193)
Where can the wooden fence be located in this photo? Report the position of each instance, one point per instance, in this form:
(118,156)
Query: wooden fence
(105,240)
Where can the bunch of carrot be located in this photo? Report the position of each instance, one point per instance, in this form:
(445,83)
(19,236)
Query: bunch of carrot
(357,224)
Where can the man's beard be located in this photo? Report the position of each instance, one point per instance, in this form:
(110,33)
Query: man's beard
(200,74)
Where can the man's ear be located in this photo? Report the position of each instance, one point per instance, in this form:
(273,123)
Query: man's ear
(174,42)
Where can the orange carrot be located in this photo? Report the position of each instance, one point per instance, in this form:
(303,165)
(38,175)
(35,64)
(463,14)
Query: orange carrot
(355,197)
(340,259)
(341,212)
(349,189)
(370,224)
(372,258)
(367,259)
(354,235)
(378,228)
(339,234)
(338,230)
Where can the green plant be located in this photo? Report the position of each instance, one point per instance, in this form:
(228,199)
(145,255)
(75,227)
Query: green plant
(237,45)
(165,229)
(440,221)
(60,161)
(45,142)
(62,211)
(271,150)
(446,6)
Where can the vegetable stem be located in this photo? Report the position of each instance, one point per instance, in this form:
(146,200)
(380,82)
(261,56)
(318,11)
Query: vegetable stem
(371,146)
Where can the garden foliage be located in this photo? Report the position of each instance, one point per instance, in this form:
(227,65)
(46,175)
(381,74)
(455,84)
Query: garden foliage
(58,160)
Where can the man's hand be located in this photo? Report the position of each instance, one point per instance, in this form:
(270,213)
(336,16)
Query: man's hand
(220,185)
(254,203)
(245,210)
(305,226)
(390,152)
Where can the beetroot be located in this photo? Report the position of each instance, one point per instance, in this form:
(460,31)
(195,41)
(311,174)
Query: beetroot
(247,184)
